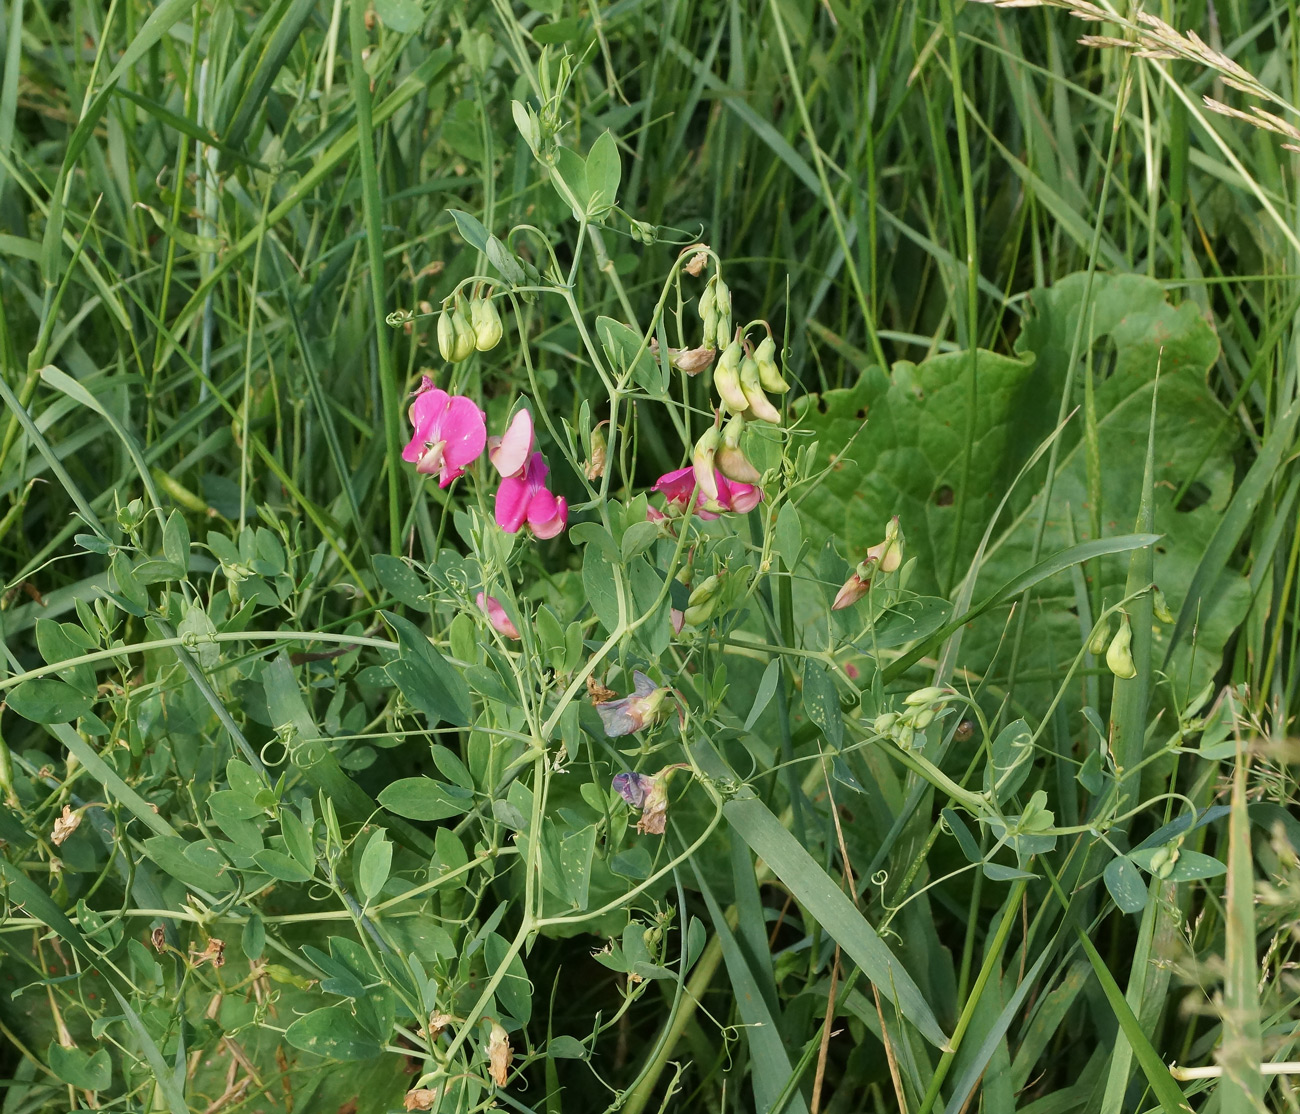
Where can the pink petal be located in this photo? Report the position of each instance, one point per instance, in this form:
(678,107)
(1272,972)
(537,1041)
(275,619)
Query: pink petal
(425,414)
(512,452)
(676,486)
(745,497)
(555,523)
(465,431)
(496,614)
(541,507)
(511,507)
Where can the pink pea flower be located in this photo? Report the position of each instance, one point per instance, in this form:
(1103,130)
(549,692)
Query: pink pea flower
(450,433)
(525,498)
(511,451)
(640,708)
(681,492)
(491,606)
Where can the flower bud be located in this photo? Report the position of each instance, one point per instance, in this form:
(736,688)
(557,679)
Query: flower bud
(853,590)
(885,722)
(643,232)
(1118,656)
(928,695)
(768,373)
(888,555)
(464,346)
(1159,607)
(1100,639)
(729,459)
(703,602)
(486,323)
(447,336)
(722,303)
(702,463)
(707,302)
(726,378)
(758,401)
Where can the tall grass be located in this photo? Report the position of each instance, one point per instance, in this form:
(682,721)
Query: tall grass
(225,231)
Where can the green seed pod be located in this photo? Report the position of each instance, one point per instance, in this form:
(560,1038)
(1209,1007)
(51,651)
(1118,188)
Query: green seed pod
(1118,656)
(486,323)
(758,401)
(447,336)
(464,347)
(1100,639)
(726,379)
(1159,607)
(769,375)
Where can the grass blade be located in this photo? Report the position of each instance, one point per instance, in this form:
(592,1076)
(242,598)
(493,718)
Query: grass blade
(814,890)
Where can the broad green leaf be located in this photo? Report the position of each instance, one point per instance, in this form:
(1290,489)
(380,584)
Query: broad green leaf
(402,16)
(604,172)
(426,678)
(376,862)
(401,581)
(822,702)
(571,168)
(333,1032)
(514,991)
(279,865)
(1125,885)
(1011,760)
(625,352)
(86,1070)
(46,700)
(823,899)
(422,798)
(764,693)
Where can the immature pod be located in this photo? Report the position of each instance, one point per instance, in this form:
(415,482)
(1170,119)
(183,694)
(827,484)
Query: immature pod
(758,401)
(1119,656)
(486,323)
(447,336)
(726,378)
(769,375)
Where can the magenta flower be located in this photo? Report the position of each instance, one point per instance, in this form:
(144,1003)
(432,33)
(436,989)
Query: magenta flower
(491,607)
(449,436)
(640,708)
(511,451)
(525,499)
(680,489)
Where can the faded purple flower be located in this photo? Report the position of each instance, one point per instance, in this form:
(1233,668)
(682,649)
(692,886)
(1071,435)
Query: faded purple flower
(634,711)
(633,788)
